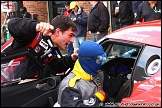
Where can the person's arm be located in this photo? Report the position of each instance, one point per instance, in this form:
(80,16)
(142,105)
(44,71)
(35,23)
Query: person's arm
(82,20)
(134,6)
(104,18)
(71,97)
(22,29)
(130,19)
(113,11)
(138,18)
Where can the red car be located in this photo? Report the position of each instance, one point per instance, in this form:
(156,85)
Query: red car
(133,69)
(143,85)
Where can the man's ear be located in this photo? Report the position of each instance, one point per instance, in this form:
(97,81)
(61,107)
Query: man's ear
(57,31)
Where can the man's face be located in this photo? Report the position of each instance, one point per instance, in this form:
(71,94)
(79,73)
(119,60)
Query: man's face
(64,38)
(75,9)
(67,7)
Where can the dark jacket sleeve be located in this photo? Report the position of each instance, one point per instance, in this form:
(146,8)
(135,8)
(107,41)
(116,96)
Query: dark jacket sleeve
(139,13)
(130,19)
(23,30)
(72,98)
(104,18)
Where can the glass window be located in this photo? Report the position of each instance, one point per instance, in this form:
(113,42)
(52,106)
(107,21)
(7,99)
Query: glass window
(20,66)
(122,51)
(148,64)
(18,70)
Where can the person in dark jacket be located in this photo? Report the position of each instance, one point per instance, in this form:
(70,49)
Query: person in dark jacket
(83,86)
(79,17)
(25,13)
(35,17)
(148,11)
(46,40)
(98,20)
(123,13)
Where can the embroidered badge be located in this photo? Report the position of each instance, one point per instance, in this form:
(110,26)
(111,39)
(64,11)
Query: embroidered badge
(37,49)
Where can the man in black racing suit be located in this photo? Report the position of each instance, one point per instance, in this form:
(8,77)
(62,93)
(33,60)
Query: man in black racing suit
(46,40)
(83,86)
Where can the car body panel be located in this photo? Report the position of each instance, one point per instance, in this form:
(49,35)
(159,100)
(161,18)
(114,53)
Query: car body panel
(7,44)
(145,93)
(145,33)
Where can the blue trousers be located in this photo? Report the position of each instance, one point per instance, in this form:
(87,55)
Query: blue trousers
(77,41)
(69,49)
(95,37)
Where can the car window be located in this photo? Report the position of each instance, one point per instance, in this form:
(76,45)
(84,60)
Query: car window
(122,51)
(16,71)
(14,68)
(119,49)
(148,64)
(121,58)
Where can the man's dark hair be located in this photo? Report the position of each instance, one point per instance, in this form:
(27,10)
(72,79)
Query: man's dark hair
(64,23)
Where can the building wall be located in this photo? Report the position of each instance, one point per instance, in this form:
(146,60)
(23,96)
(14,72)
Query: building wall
(38,7)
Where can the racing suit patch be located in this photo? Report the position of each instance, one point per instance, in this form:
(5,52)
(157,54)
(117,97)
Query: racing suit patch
(43,44)
(90,101)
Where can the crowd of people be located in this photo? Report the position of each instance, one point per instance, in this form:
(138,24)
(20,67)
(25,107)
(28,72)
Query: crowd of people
(69,31)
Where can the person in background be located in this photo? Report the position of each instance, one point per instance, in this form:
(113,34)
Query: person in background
(46,40)
(25,13)
(135,5)
(67,12)
(123,13)
(148,11)
(98,20)
(79,17)
(35,17)
(80,88)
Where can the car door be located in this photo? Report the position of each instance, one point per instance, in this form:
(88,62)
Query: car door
(119,67)
(35,92)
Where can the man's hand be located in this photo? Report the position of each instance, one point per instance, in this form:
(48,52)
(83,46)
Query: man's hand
(89,32)
(73,19)
(116,10)
(74,56)
(98,32)
(137,22)
(45,28)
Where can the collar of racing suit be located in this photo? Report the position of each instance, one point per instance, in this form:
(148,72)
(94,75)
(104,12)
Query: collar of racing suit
(79,74)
